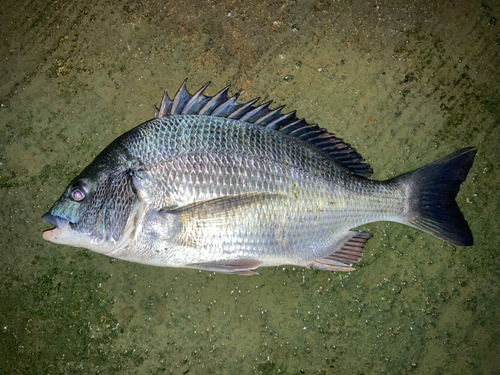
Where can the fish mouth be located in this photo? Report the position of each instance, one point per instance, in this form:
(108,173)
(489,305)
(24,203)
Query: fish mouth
(60,224)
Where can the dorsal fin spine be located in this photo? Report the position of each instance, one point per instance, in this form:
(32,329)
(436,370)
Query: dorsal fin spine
(276,124)
(178,104)
(255,114)
(165,106)
(264,120)
(236,115)
(213,103)
(196,101)
(224,107)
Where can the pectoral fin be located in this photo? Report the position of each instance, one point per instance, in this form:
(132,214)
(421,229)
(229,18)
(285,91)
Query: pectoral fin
(201,220)
(348,250)
(220,207)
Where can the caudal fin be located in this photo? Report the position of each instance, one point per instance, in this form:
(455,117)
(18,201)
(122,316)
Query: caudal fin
(432,203)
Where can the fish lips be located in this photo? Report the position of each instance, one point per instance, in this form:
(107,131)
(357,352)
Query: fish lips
(65,234)
(60,224)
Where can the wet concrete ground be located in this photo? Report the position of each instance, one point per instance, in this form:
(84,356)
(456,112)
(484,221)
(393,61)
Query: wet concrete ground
(404,83)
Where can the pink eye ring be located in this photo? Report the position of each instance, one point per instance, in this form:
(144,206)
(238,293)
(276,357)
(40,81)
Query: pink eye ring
(77,194)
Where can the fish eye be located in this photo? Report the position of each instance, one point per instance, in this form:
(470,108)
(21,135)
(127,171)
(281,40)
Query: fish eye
(78,193)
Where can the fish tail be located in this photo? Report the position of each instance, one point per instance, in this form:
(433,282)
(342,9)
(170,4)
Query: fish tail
(433,188)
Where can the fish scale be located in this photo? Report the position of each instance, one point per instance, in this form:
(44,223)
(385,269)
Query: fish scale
(220,186)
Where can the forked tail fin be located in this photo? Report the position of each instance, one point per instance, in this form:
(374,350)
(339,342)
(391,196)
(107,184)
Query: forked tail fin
(432,199)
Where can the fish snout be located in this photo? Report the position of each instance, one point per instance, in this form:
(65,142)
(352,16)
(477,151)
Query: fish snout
(50,219)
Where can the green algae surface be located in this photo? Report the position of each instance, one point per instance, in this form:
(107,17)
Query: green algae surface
(404,83)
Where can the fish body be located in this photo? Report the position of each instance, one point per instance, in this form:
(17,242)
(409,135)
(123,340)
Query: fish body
(215,185)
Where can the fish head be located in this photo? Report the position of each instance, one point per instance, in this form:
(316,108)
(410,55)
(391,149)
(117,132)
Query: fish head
(95,212)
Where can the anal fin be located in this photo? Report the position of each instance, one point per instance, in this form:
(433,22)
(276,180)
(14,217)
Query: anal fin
(349,251)
(231,267)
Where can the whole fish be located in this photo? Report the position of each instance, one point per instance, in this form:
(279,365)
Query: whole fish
(215,185)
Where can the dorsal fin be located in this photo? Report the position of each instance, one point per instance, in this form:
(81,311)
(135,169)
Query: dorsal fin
(222,105)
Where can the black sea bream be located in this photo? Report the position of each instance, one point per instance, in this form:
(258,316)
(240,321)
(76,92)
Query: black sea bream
(220,186)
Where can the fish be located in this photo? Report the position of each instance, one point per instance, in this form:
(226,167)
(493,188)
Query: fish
(219,186)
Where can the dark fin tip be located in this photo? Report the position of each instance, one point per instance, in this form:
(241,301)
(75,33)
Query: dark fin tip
(434,188)
(221,105)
